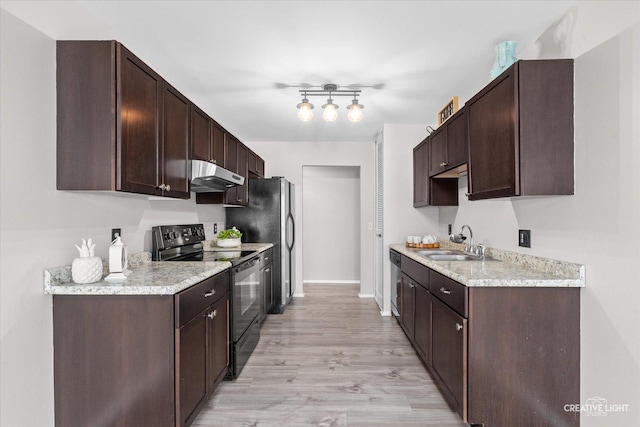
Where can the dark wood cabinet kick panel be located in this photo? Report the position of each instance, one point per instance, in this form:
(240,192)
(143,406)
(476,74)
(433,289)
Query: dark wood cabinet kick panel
(503,356)
(139,360)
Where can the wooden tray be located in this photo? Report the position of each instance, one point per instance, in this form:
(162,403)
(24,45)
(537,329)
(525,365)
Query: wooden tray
(423,245)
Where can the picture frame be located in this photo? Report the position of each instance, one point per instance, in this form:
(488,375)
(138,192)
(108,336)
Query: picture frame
(448,110)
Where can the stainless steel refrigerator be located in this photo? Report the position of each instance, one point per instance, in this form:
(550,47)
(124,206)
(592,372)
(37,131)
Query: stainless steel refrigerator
(270,217)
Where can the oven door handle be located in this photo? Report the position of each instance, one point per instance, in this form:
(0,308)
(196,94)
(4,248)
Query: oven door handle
(247,265)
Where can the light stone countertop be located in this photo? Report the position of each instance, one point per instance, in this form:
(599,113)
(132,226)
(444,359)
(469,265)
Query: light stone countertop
(506,269)
(147,277)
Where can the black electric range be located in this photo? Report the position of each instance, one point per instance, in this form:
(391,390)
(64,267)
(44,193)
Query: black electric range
(184,243)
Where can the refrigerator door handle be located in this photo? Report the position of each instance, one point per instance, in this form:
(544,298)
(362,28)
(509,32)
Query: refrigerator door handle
(293,232)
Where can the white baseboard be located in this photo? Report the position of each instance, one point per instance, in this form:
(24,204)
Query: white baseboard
(366,295)
(298,295)
(385,313)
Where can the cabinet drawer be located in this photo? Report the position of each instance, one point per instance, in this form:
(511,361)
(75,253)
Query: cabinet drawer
(447,290)
(415,270)
(266,257)
(193,300)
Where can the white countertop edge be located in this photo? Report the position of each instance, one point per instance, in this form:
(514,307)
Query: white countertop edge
(104,287)
(444,267)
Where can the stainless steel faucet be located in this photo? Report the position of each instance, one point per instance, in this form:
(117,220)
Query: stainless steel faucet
(470,248)
(470,234)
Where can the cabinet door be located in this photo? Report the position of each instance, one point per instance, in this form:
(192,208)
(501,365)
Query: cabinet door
(438,151)
(252,161)
(422,322)
(493,132)
(192,365)
(408,306)
(457,140)
(421,174)
(218,140)
(231,162)
(260,167)
(175,144)
(140,116)
(200,134)
(218,344)
(449,353)
(242,191)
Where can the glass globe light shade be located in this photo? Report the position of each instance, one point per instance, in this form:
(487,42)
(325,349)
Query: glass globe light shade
(330,114)
(305,114)
(355,112)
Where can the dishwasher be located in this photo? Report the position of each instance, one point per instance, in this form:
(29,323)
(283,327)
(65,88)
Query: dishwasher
(395,259)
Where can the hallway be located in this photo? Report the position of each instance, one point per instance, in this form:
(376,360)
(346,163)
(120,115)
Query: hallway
(330,360)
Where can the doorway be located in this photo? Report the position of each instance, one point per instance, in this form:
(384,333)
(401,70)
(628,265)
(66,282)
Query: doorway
(331,226)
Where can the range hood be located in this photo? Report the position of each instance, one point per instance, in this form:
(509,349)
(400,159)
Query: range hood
(207,177)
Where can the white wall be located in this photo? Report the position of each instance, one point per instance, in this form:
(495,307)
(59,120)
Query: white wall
(400,218)
(331,212)
(288,159)
(39,225)
(599,226)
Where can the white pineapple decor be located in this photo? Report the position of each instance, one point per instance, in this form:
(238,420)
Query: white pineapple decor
(87,268)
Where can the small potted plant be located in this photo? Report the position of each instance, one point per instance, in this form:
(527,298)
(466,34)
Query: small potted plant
(229,238)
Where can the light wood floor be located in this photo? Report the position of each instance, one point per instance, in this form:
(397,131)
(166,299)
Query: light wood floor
(330,360)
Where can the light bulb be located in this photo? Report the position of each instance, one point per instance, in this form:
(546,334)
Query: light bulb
(330,114)
(305,114)
(355,111)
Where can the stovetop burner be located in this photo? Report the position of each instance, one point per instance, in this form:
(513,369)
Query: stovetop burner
(184,243)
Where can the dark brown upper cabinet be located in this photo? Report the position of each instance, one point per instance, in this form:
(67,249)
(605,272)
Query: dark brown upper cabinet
(201,134)
(255,164)
(236,159)
(430,191)
(448,144)
(120,126)
(521,132)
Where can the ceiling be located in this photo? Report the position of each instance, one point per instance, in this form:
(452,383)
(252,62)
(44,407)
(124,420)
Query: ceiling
(243,62)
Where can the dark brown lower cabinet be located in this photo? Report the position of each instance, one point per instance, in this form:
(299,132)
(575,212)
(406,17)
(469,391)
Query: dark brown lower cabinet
(204,357)
(503,356)
(408,305)
(449,354)
(422,322)
(134,360)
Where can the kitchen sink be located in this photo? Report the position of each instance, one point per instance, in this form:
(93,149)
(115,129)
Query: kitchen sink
(453,257)
(428,252)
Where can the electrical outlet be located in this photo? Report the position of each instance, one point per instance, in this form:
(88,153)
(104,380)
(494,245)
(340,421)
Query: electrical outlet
(215,227)
(524,238)
(115,232)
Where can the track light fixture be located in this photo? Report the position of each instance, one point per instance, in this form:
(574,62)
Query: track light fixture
(330,114)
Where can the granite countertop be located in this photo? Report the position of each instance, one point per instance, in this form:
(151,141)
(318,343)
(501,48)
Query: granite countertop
(147,277)
(505,269)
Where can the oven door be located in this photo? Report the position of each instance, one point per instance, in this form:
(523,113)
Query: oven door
(246,296)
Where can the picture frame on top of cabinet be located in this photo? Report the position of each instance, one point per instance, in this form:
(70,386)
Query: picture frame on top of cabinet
(448,110)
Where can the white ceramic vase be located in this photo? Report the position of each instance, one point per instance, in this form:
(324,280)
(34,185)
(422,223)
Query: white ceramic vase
(86,270)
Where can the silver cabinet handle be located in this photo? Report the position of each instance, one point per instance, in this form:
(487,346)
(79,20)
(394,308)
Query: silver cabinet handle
(445,291)
(411,285)
(168,187)
(211,293)
(459,327)
(213,314)
(161,186)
